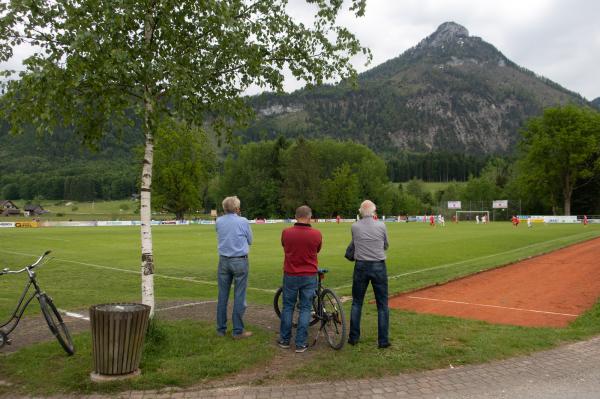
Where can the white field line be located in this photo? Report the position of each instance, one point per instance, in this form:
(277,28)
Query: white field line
(467,261)
(492,306)
(185,305)
(80,316)
(73,314)
(188,279)
(52,239)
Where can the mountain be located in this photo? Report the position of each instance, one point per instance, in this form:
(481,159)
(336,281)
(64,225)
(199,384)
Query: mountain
(451,92)
(596,103)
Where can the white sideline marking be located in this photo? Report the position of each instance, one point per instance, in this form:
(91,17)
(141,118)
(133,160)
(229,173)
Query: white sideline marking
(185,305)
(80,316)
(466,261)
(492,306)
(74,315)
(189,279)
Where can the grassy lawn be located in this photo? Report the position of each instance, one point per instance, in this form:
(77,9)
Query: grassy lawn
(180,354)
(96,265)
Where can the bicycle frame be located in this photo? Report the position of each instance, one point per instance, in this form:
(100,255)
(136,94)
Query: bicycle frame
(13,321)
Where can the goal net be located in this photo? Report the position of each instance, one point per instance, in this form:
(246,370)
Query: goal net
(472,216)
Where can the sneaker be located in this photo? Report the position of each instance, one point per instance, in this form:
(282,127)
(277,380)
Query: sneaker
(301,349)
(350,342)
(283,344)
(220,334)
(383,346)
(243,335)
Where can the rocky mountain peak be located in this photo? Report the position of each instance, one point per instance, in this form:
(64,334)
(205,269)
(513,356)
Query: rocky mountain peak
(445,33)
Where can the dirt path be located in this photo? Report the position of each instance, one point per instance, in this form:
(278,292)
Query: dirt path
(549,290)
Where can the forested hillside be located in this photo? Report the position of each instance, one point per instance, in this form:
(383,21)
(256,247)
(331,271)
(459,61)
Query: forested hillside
(450,93)
(59,166)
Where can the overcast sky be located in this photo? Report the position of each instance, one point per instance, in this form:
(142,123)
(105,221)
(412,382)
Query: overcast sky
(559,39)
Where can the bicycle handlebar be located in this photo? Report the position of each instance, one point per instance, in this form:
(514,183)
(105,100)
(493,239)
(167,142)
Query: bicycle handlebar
(32,266)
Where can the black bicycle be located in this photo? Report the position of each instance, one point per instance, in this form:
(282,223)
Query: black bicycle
(327,309)
(51,314)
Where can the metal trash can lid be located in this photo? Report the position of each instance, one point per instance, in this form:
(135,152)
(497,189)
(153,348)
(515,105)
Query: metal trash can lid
(120,307)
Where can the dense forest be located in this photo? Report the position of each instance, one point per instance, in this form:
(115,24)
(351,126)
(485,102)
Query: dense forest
(60,167)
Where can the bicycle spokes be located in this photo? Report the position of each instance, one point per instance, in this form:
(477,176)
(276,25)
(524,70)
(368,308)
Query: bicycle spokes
(334,322)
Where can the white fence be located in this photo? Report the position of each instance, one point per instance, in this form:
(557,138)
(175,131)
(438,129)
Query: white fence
(389,219)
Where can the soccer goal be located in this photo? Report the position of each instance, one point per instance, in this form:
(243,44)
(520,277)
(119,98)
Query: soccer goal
(472,216)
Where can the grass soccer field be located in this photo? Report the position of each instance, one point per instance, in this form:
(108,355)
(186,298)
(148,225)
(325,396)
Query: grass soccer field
(96,265)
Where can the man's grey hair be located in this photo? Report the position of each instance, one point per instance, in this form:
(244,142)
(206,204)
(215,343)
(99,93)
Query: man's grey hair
(231,204)
(303,212)
(367,208)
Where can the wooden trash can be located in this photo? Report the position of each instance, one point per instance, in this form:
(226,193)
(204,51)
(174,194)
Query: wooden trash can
(118,331)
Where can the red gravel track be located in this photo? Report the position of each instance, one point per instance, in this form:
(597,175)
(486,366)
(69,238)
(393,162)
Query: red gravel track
(546,291)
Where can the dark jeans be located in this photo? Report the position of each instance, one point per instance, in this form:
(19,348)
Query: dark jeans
(376,273)
(232,270)
(294,287)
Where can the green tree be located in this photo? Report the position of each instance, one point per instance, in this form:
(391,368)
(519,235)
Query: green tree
(100,60)
(390,200)
(11,191)
(560,152)
(184,161)
(301,173)
(410,205)
(250,176)
(480,190)
(340,193)
(416,188)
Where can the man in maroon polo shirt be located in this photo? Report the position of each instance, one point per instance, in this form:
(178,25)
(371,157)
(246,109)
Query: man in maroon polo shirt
(301,243)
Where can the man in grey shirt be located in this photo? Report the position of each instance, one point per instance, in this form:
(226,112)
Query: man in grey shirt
(370,242)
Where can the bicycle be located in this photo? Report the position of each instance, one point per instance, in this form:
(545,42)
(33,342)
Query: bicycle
(51,314)
(327,309)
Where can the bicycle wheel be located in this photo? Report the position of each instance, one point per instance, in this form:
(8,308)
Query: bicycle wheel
(56,323)
(334,319)
(278,307)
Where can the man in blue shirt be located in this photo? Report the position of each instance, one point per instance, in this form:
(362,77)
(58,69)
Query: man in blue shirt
(234,237)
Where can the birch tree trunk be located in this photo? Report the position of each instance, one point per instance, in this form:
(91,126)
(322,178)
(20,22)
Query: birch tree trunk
(146,220)
(146,189)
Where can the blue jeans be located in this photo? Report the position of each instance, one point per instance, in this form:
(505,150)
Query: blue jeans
(376,273)
(232,270)
(294,287)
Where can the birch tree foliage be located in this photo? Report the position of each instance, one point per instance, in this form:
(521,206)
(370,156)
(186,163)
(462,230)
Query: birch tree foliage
(193,59)
(100,60)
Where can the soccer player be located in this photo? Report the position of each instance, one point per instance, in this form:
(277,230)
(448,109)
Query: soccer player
(432,220)
(515,221)
(585,220)
(477,218)
(529,222)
